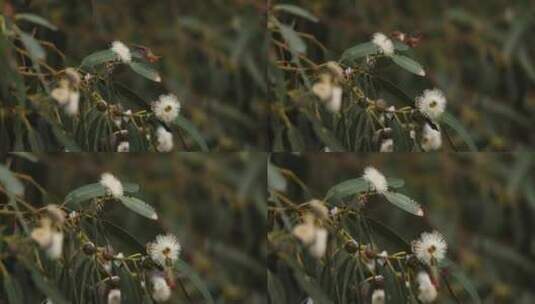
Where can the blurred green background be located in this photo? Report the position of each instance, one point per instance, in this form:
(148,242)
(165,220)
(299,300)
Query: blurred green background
(212,53)
(480,53)
(484,204)
(214,203)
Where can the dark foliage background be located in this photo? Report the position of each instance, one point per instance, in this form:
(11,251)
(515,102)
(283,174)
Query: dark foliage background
(215,204)
(479,53)
(212,56)
(483,203)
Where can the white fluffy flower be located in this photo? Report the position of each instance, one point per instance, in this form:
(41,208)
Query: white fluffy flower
(165,248)
(61,94)
(123,147)
(431,138)
(114,296)
(430,247)
(160,290)
(378,296)
(112,184)
(306,232)
(427,292)
(323,90)
(376,179)
(315,238)
(43,234)
(319,208)
(55,249)
(317,249)
(165,140)
(431,103)
(73,105)
(122,51)
(387,145)
(384,43)
(166,108)
(335,102)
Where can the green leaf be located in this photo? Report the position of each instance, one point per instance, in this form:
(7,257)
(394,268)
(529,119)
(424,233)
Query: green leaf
(37,20)
(12,289)
(295,43)
(408,64)
(297,143)
(145,70)
(125,237)
(192,131)
(10,182)
(400,46)
(404,202)
(456,125)
(45,287)
(91,191)
(26,155)
(275,179)
(139,207)
(195,280)
(130,289)
(34,48)
(358,51)
(98,58)
(354,186)
(325,135)
(295,10)
(275,289)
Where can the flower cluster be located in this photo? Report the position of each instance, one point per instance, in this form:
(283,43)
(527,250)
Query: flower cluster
(67,92)
(48,234)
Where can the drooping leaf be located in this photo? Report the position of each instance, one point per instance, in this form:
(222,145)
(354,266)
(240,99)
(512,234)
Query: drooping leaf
(408,64)
(139,207)
(91,191)
(275,289)
(46,287)
(124,236)
(357,185)
(192,131)
(145,71)
(404,202)
(32,45)
(456,125)
(36,20)
(295,43)
(296,10)
(360,50)
(10,182)
(195,280)
(98,58)
(130,289)
(12,289)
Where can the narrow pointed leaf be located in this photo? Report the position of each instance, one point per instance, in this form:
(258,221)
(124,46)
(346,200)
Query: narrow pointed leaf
(192,131)
(36,20)
(10,182)
(357,185)
(145,71)
(358,51)
(34,48)
(295,43)
(139,207)
(456,125)
(404,202)
(408,64)
(296,10)
(98,58)
(91,191)
(195,280)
